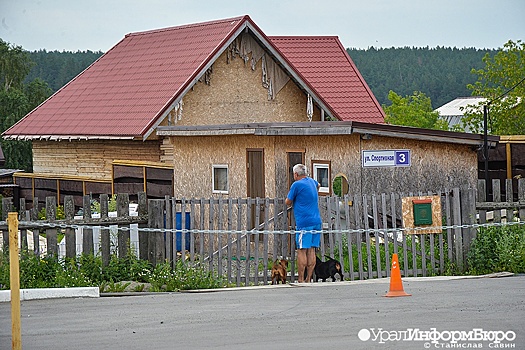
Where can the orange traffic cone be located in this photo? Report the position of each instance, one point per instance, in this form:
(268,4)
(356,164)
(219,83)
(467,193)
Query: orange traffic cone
(396,285)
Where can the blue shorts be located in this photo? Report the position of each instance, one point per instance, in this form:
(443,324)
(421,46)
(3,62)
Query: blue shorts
(304,238)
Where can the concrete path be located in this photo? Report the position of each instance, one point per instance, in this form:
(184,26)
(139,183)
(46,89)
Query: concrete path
(341,315)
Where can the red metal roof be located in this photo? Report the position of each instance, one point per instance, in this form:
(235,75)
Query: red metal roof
(126,91)
(328,68)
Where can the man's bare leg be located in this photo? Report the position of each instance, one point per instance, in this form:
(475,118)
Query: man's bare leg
(302,261)
(310,263)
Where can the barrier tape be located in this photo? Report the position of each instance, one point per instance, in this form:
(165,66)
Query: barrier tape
(422,230)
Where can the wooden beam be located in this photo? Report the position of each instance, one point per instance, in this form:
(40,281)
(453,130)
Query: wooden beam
(509,160)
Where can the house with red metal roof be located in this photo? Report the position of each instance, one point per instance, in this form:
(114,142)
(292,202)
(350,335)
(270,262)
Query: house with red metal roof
(217,108)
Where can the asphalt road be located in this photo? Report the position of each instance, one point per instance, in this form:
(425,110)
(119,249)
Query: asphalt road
(341,315)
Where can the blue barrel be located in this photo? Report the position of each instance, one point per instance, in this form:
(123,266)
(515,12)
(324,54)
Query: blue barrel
(178,234)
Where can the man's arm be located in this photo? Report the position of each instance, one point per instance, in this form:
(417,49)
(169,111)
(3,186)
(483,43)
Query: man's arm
(288,202)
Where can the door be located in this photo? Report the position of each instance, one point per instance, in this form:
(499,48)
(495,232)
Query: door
(292,158)
(255,182)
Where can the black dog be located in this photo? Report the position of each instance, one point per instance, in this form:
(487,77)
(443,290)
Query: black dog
(326,269)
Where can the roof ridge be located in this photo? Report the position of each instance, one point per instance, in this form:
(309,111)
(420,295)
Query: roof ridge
(189,25)
(295,37)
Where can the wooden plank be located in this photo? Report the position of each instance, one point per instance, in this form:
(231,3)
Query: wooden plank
(482,197)
(87,233)
(229,241)
(220,227)
(484,206)
(496,197)
(394,226)
(248,239)
(449,218)
(468,217)
(128,187)
(367,237)
(21,217)
(70,236)
(265,241)
(256,240)
(183,234)
(97,188)
(349,239)
(33,214)
(174,218)
(509,197)
(157,191)
(375,216)
(521,197)
(458,239)
(169,235)
(159,175)
(51,233)
(386,238)
(211,236)
(124,174)
(192,235)
(201,234)
(155,221)
(339,236)
(405,246)
(357,207)
(123,236)
(239,237)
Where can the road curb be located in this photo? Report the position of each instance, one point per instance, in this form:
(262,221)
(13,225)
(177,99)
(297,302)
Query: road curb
(51,293)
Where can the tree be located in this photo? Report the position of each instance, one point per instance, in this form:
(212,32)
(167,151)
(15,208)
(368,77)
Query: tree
(415,110)
(502,83)
(16,100)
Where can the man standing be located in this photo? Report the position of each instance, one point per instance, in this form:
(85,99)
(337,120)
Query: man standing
(304,197)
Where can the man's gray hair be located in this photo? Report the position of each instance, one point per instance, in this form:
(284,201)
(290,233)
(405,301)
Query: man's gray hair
(300,169)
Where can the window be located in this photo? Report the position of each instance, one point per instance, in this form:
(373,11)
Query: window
(321,173)
(220,178)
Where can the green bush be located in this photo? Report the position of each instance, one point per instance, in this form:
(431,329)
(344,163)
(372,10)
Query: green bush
(497,249)
(88,270)
(183,277)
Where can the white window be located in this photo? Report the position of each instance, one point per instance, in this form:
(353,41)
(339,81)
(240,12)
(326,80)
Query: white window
(321,173)
(220,179)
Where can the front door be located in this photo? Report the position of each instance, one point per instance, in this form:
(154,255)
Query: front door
(255,181)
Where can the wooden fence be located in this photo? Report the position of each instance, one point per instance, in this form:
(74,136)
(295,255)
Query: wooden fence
(239,238)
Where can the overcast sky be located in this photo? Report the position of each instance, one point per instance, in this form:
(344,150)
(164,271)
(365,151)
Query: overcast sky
(100,24)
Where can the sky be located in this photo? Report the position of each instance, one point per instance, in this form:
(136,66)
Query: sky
(98,25)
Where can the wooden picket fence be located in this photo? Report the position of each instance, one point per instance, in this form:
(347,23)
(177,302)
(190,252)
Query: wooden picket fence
(239,238)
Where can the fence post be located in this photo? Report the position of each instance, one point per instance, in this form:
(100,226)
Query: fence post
(51,233)
(123,235)
(87,233)
(521,197)
(69,213)
(458,239)
(33,214)
(482,197)
(156,239)
(6,208)
(16,329)
(468,217)
(23,232)
(105,239)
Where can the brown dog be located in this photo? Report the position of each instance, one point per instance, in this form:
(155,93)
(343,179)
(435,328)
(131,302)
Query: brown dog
(279,271)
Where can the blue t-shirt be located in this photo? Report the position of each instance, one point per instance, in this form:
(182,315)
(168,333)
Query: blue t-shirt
(303,194)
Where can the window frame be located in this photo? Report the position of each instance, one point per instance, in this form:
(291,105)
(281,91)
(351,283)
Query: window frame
(322,164)
(220,166)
